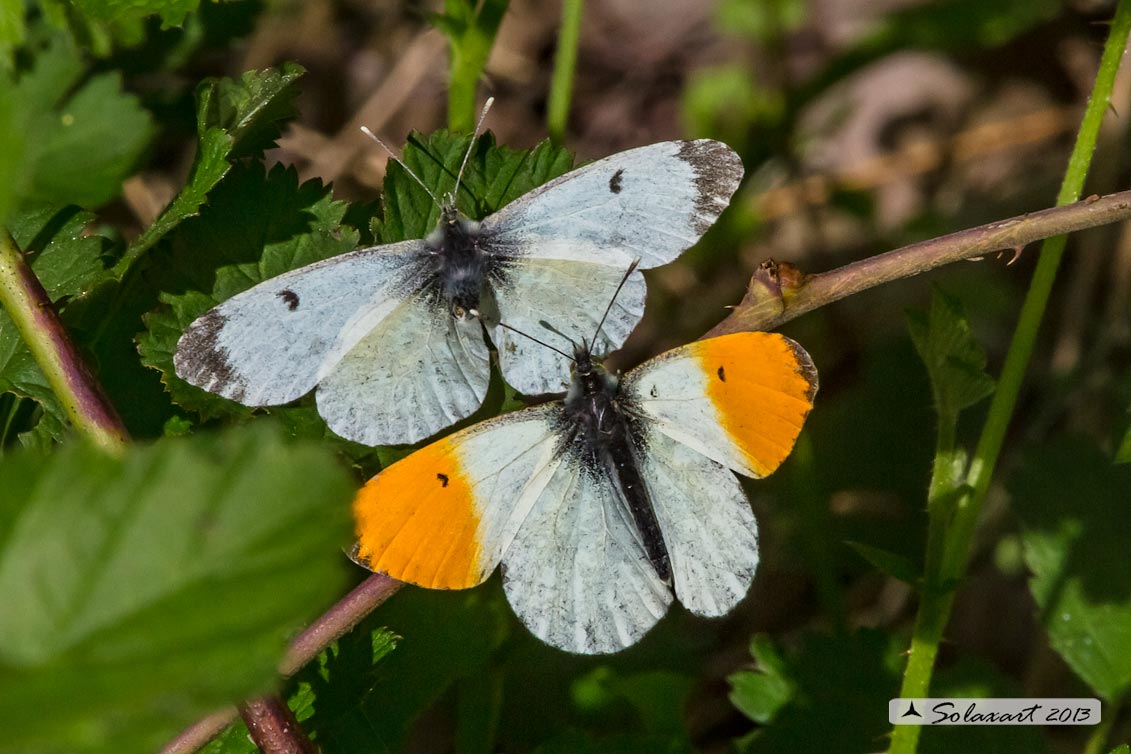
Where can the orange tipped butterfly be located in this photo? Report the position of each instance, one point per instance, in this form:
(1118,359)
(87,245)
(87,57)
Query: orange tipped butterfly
(391,337)
(606,505)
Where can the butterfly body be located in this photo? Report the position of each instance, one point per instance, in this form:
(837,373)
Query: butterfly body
(389,336)
(461,264)
(605,506)
(598,426)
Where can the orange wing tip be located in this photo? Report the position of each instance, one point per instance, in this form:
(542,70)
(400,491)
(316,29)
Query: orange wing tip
(762,385)
(418,522)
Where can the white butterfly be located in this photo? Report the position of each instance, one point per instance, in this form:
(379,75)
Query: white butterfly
(391,335)
(604,506)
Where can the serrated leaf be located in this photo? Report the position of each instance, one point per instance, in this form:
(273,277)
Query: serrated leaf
(893,564)
(232,119)
(144,591)
(257,225)
(253,109)
(494,177)
(1076,523)
(759,694)
(81,143)
(954,359)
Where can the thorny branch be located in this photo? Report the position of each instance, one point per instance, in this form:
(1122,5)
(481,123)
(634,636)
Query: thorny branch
(779,293)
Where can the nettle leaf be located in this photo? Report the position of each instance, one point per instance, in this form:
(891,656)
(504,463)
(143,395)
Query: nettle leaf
(232,119)
(835,688)
(1076,523)
(144,591)
(69,263)
(257,225)
(82,137)
(494,177)
(954,359)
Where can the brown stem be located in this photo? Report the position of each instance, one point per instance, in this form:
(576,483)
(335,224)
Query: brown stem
(273,727)
(73,383)
(770,302)
(331,626)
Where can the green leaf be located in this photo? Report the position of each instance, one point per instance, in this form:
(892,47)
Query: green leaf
(252,110)
(955,362)
(840,686)
(1122,749)
(171,12)
(257,225)
(760,693)
(81,142)
(494,177)
(1076,523)
(232,119)
(893,564)
(142,592)
(12,32)
(13,137)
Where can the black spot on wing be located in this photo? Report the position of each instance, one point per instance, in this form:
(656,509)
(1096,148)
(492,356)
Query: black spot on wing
(614,182)
(722,374)
(443,479)
(201,361)
(718,171)
(289,297)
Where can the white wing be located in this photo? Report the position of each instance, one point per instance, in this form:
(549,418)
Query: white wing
(708,527)
(443,516)
(570,294)
(739,399)
(577,574)
(268,344)
(417,372)
(650,202)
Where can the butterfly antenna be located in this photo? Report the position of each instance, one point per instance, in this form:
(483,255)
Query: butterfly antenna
(467,155)
(393,155)
(631,269)
(531,337)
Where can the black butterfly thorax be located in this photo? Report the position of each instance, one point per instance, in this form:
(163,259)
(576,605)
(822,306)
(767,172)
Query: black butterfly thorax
(461,266)
(601,429)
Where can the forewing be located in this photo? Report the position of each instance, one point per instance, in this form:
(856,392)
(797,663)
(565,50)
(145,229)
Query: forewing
(267,345)
(576,573)
(442,517)
(415,372)
(738,399)
(708,527)
(650,202)
(570,295)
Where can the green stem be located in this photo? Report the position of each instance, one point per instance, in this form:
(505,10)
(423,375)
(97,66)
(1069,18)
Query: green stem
(469,46)
(565,62)
(956,534)
(34,316)
(936,596)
